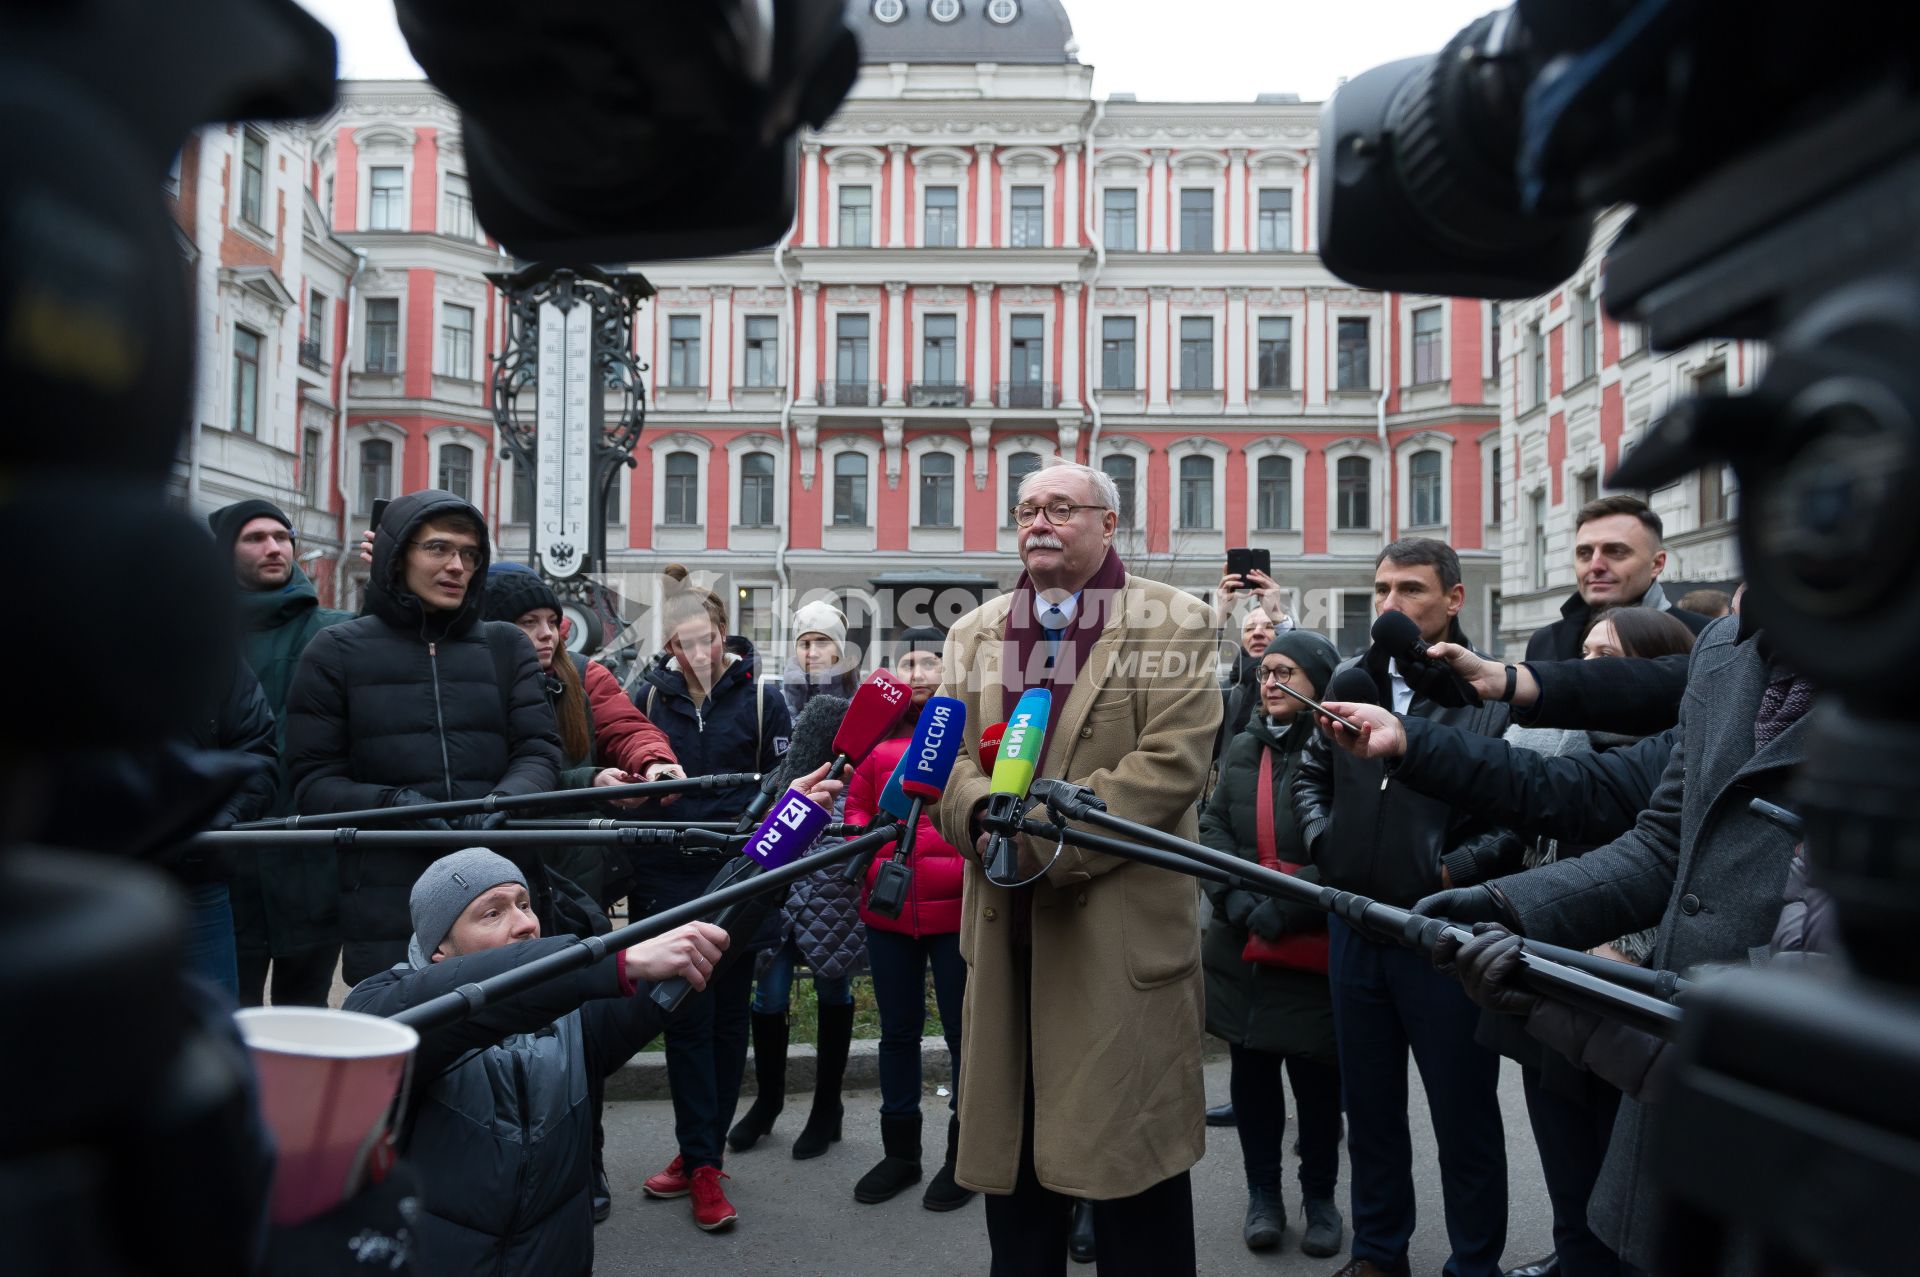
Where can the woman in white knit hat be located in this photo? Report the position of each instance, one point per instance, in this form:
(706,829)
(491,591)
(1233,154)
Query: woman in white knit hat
(821,663)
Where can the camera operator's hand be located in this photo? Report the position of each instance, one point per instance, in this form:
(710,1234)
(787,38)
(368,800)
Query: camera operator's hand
(482,821)
(1467,905)
(1487,966)
(1380,736)
(1268,920)
(687,952)
(414,798)
(1488,678)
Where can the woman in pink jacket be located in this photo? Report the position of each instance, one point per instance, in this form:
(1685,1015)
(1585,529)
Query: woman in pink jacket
(900,951)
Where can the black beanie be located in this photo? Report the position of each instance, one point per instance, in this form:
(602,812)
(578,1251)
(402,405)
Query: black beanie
(919,638)
(511,595)
(226,522)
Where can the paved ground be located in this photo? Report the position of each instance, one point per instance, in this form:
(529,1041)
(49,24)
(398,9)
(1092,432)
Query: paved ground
(800,1217)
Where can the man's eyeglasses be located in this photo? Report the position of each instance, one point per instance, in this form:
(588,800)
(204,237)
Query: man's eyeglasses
(440,551)
(1057,512)
(1277,673)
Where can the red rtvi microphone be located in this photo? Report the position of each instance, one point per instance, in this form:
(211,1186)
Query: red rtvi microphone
(990,746)
(877,705)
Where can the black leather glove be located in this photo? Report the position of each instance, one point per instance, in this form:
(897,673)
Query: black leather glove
(1467,905)
(481,821)
(1487,965)
(1240,905)
(414,798)
(1268,920)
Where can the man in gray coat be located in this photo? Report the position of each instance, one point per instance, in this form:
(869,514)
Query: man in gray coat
(1698,862)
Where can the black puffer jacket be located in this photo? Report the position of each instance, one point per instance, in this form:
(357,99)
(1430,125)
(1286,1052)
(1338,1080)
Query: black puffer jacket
(740,726)
(441,703)
(1369,835)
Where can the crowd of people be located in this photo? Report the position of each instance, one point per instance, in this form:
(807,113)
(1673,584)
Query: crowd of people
(1592,796)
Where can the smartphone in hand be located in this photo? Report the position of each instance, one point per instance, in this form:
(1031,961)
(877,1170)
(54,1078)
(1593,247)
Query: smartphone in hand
(1318,708)
(1243,560)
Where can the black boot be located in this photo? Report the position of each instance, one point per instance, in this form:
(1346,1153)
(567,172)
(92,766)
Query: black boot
(1325,1228)
(1080,1244)
(1266,1217)
(823,1123)
(900,1168)
(770,1080)
(943,1191)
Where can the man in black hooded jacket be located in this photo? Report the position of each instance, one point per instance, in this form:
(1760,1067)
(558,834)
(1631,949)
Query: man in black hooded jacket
(417,701)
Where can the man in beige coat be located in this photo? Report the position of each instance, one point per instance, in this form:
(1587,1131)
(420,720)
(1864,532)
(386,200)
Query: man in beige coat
(1084,1006)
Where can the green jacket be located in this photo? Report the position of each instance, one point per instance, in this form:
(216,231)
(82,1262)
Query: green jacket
(284,900)
(1272,1009)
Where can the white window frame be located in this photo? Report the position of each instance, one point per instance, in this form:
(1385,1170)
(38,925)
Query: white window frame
(1142,455)
(440,214)
(1278,169)
(383,146)
(476,338)
(1197,446)
(362,431)
(1333,454)
(841,536)
(1408,306)
(855,166)
(1098,316)
(663,324)
(1297,355)
(876,341)
(359,357)
(1049,335)
(680,536)
(1126,171)
(783,364)
(260,230)
(1027,166)
(916,334)
(1425,441)
(1277,446)
(941,166)
(737,450)
(439,437)
(1194,172)
(1376,372)
(1174,315)
(930,537)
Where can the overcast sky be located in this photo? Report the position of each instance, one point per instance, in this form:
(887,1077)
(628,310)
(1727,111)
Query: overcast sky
(1172,50)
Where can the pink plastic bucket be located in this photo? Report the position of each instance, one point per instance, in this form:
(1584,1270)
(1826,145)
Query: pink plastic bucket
(327,1084)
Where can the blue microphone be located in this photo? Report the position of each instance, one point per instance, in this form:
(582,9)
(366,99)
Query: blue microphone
(921,774)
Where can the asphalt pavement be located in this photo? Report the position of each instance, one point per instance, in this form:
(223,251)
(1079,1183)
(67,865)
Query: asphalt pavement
(800,1217)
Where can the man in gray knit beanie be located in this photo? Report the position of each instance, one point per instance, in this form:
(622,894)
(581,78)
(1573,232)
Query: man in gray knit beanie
(450,884)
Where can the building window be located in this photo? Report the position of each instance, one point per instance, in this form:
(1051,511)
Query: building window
(1537,509)
(936,490)
(317,327)
(386,199)
(246,381)
(850,490)
(376,473)
(1019,466)
(1427,367)
(683,490)
(763,350)
(1027,361)
(941,228)
(1196,220)
(1493,487)
(253,179)
(1116,352)
(1274,365)
(326,202)
(523,501)
(1719,495)
(1029,218)
(456,470)
(1493,339)
(1124,472)
(1711,380)
(753,615)
(683,350)
(311,442)
(856,217)
(1423,496)
(1276,221)
(1353,494)
(1588,312)
(1122,217)
(456,207)
(1537,365)
(1356,622)
(756,490)
(1196,493)
(1354,371)
(1273,494)
(383,334)
(456,342)
(1587,485)
(850,359)
(939,350)
(1196,353)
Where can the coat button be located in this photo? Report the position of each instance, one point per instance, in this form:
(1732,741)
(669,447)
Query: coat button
(1083,900)
(990,915)
(1689,904)
(1086,733)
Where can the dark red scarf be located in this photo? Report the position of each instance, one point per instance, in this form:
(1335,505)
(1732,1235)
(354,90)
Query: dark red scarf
(1026,643)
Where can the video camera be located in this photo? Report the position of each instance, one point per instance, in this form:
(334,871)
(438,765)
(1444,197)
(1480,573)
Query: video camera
(1773,165)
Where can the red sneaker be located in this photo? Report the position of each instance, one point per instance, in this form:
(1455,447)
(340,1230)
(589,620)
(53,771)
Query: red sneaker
(669,1183)
(711,1209)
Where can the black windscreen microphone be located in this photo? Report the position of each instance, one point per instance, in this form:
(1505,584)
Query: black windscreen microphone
(1354,685)
(1400,637)
(810,746)
(1396,635)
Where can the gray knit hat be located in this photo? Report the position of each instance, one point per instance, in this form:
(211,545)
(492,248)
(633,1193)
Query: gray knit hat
(449,885)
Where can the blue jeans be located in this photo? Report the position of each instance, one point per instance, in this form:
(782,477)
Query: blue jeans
(211,954)
(899,964)
(775,987)
(1386,1000)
